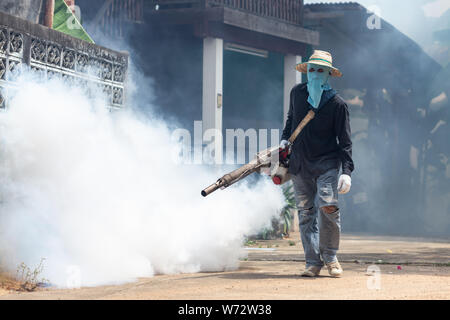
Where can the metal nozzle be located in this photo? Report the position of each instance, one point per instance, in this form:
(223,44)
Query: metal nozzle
(210,189)
(232,177)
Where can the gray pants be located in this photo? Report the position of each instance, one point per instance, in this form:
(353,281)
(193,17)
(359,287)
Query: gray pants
(320,237)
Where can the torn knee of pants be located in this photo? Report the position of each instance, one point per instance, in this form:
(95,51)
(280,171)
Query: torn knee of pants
(329,209)
(326,193)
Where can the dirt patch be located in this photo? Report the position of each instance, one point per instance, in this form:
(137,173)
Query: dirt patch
(8,283)
(271,280)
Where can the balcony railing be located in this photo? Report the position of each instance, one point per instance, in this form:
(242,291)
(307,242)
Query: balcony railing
(285,10)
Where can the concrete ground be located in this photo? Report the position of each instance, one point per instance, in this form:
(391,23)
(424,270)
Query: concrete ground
(409,268)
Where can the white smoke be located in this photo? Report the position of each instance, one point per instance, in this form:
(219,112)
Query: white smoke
(83,187)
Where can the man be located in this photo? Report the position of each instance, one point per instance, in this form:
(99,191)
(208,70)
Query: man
(320,150)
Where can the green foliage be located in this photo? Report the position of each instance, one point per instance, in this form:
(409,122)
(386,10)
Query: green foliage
(65,21)
(249,242)
(290,204)
(265,233)
(282,225)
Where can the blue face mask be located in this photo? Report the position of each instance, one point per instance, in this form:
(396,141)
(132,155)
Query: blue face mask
(317,83)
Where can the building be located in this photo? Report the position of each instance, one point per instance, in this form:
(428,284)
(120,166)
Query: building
(388,84)
(231,64)
(203,56)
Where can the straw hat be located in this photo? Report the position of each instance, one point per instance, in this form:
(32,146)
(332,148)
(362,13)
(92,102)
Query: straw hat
(322,58)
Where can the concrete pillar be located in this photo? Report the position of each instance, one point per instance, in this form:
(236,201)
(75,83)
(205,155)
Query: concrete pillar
(212,91)
(291,78)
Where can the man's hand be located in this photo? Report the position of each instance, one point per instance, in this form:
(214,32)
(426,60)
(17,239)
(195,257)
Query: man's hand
(284,144)
(344,183)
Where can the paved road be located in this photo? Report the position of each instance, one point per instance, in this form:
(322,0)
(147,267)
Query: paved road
(408,269)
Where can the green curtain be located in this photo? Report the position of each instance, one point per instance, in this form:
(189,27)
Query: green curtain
(65,21)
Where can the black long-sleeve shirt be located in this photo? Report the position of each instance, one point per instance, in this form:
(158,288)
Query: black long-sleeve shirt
(325,142)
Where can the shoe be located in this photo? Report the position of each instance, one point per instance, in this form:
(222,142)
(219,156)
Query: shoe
(312,271)
(334,269)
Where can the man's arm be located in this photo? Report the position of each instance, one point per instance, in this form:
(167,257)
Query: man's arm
(288,126)
(344,135)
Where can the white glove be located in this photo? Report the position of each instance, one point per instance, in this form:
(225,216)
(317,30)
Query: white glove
(284,144)
(344,183)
